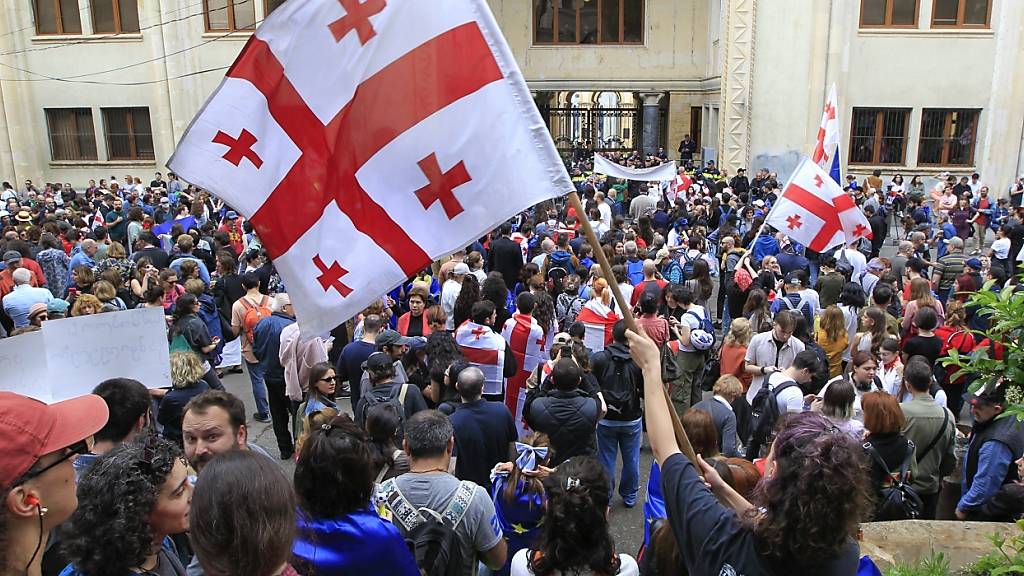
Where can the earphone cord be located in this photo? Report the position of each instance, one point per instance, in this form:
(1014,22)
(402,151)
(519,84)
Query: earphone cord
(39,543)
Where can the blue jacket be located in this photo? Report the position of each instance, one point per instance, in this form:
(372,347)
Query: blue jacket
(267,344)
(357,543)
(765,246)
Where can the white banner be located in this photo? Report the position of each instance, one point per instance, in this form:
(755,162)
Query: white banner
(666,171)
(70,356)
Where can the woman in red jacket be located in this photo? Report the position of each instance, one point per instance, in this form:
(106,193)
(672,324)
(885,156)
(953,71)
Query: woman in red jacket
(414,322)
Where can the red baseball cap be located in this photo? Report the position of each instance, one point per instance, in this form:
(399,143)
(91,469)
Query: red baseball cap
(30,429)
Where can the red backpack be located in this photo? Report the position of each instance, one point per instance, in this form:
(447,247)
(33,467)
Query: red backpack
(253,314)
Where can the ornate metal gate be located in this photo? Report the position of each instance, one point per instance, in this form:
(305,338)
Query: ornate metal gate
(582,131)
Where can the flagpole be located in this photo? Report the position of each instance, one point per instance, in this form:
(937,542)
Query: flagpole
(602,260)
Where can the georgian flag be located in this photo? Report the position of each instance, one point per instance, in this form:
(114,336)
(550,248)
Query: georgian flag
(526,339)
(598,321)
(364,139)
(485,349)
(97,219)
(826,147)
(816,212)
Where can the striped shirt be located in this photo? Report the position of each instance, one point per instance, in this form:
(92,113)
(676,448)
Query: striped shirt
(948,268)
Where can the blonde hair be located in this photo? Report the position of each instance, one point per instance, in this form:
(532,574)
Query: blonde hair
(921,292)
(833,323)
(84,300)
(195,287)
(728,385)
(311,422)
(186,369)
(116,250)
(104,291)
(740,332)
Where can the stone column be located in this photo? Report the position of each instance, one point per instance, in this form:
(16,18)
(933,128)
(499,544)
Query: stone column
(650,112)
(738,27)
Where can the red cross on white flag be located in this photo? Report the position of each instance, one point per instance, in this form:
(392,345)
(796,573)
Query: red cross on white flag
(365,138)
(816,212)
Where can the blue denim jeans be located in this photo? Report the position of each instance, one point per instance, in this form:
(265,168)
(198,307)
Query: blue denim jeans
(259,389)
(614,436)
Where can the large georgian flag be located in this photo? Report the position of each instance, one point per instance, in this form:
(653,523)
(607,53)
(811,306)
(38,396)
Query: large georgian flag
(484,348)
(526,338)
(363,139)
(816,212)
(598,321)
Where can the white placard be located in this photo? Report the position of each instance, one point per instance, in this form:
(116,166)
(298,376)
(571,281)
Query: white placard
(23,366)
(84,351)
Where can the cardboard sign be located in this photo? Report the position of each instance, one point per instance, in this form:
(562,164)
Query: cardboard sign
(70,356)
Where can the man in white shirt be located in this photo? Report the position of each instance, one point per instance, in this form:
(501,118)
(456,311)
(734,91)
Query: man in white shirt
(791,399)
(450,292)
(855,257)
(604,209)
(547,246)
(772,351)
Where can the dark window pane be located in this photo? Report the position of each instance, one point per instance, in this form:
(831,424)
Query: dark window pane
(633,20)
(142,133)
(862,135)
(46,17)
(945,12)
(609,20)
(103,16)
(217,14)
(588,22)
(119,144)
(567,22)
(872,12)
(904,12)
(245,14)
(543,21)
(70,17)
(71,134)
(976,12)
(129,11)
(272,5)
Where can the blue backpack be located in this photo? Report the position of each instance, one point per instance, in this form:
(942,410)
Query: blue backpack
(688,265)
(635,271)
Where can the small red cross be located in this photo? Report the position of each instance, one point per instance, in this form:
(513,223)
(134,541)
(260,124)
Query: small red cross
(830,111)
(818,181)
(441,186)
(357,17)
(860,230)
(331,277)
(478,332)
(794,222)
(239,148)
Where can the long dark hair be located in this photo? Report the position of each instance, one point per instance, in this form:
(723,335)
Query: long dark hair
(333,475)
(702,274)
(468,295)
(182,308)
(575,532)
(110,532)
(813,503)
(544,312)
(243,516)
(533,485)
(383,423)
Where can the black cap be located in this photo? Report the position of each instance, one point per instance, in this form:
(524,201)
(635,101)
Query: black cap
(377,361)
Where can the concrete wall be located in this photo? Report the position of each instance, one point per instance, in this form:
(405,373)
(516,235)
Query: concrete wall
(803,46)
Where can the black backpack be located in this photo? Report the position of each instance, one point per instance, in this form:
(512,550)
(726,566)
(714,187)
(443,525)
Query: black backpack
(431,536)
(559,266)
(381,395)
(764,414)
(897,501)
(618,386)
(843,265)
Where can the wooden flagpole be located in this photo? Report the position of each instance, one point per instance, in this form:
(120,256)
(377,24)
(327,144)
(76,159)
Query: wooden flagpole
(574,199)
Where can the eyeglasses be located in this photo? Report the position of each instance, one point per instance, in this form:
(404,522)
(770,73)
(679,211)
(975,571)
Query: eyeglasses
(329,379)
(76,449)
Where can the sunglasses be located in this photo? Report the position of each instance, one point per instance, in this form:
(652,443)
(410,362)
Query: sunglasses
(78,448)
(329,379)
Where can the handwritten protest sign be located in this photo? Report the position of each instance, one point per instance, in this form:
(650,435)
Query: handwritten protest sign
(84,351)
(23,366)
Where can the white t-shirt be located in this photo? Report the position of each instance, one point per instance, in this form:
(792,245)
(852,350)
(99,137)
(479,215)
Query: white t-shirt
(606,213)
(1001,248)
(856,259)
(521,566)
(692,322)
(791,399)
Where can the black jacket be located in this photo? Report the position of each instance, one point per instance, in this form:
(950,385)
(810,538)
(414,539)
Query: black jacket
(505,256)
(621,381)
(569,418)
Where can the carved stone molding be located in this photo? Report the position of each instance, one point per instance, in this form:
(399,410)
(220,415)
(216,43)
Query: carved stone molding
(738,27)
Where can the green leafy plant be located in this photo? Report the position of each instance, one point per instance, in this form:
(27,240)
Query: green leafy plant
(935,564)
(1007,558)
(1005,309)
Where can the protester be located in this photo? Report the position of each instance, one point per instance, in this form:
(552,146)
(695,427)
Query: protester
(339,532)
(37,474)
(566,414)
(243,518)
(518,494)
(720,407)
(145,485)
(932,430)
(267,348)
(889,451)
(575,534)
(321,386)
(995,443)
(187,382)
(214,423)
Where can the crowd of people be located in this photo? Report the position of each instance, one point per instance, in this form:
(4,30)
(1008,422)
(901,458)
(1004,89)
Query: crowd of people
(473,420)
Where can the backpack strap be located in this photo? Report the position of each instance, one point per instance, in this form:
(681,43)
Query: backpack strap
(942,432)
(457,507)
(403,511)
(401,394)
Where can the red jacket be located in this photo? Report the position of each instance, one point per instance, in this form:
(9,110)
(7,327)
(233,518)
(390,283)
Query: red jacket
(403,324)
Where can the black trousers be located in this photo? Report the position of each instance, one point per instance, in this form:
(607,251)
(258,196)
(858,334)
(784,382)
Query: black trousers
(281,412)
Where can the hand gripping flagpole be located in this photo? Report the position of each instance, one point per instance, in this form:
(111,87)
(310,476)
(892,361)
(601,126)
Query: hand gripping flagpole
(677,427)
